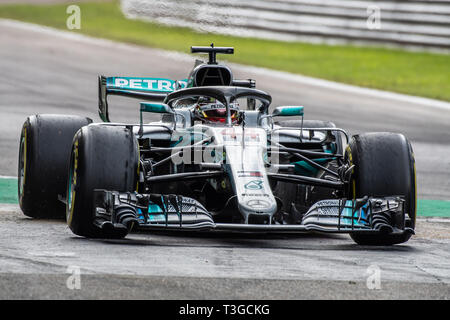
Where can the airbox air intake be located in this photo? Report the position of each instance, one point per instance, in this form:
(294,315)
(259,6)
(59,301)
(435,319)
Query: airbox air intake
(212,75)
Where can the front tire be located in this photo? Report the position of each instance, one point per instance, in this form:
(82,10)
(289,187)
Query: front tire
(384,166)
(103,157)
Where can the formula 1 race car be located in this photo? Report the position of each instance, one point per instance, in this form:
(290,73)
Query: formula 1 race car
(218,159)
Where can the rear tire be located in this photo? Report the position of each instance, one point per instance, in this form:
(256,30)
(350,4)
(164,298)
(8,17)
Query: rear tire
(103,157)
(384,166)
(44,151)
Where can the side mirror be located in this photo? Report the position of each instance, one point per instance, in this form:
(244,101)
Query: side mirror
(288,111)
(155,107)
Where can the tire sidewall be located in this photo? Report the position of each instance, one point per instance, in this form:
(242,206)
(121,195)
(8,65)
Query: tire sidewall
(86,162)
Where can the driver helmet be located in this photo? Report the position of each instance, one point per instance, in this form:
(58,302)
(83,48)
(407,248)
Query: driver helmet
(216,112)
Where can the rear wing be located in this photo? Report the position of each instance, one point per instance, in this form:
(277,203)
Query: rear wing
(154,89)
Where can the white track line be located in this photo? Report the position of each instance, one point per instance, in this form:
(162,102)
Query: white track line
(434,219)
(7,177)
(278,74)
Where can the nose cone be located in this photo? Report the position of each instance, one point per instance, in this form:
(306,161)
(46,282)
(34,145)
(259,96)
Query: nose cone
(245,164)
(258,210)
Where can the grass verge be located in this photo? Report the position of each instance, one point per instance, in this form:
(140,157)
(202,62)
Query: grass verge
(421,74)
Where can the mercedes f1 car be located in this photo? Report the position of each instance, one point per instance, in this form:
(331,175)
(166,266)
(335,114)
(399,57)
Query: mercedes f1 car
(219,158)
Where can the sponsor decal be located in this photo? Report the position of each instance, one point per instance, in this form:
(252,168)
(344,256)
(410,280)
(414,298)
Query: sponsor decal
(210,106)
(258,204)
(243,174)
(232,135)
(146,84)
(254,185)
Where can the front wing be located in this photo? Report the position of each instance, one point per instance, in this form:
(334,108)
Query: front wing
(120,212)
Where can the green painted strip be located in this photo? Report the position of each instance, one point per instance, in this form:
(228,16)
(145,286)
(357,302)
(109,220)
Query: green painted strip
(8,190)
(425,208)
(433,208)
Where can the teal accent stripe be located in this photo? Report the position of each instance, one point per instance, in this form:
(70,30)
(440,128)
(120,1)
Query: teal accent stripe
(303,167)
(425,207)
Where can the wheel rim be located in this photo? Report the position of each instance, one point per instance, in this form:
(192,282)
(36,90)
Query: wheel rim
(71,183)
(22,163)
(70,190)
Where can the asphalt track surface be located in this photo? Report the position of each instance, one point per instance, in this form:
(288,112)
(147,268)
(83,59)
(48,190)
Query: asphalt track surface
(46,73)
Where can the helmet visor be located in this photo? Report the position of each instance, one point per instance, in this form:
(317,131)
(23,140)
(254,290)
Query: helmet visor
(218,114)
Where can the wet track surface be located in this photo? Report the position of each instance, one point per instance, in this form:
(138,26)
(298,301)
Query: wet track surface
(37,258)
(46,73)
